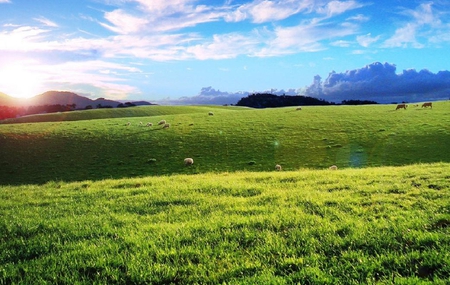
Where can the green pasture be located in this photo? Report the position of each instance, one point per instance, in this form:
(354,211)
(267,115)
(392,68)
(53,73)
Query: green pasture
(380,225)
(98,144)
(96,197)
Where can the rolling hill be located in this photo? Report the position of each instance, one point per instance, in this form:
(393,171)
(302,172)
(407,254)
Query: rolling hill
(97,197)
(234,139)
(59,98)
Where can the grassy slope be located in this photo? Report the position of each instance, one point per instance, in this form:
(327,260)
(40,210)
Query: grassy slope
(355,226)
(233,139)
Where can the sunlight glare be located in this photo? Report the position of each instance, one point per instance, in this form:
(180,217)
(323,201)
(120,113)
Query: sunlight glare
(17,81)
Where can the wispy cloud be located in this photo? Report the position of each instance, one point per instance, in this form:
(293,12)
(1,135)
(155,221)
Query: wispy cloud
(338,7)
(423,25)
(367,40)
(46,22)
(266,11)
(5,1)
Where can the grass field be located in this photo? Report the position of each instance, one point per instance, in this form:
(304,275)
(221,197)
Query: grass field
(356,226)
(234,139)
(87,199)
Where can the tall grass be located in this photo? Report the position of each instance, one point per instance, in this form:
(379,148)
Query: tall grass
(379,225)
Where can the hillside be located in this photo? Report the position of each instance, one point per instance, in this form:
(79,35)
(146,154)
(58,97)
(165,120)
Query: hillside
(60,98)
(383,225)
(233,139)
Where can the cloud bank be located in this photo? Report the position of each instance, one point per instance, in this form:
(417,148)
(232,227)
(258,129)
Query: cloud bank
(379,82)
(211,96)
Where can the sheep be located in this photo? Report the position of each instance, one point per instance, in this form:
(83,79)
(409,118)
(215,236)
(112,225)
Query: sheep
(427,104)
(211,113)
(188,161)
(298,108)
(162,122)
(333,167)
(149,124)
(401,106)
(278,167)
(166,125)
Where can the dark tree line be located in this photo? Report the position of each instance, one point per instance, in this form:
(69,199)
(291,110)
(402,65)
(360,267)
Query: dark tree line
(266,100)
(7,112)
(358,102)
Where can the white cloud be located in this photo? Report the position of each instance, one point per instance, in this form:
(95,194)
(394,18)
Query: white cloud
(261,11)
(46,22)
(24,38)
(367,40)
(5,1)
(338,7)
(123,23)
(304,38)
(359,18)
(425,25)
(223,47)
(341,43)
(403,37)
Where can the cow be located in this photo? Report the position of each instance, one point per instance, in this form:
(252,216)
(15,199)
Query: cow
(401,106)
(427,104)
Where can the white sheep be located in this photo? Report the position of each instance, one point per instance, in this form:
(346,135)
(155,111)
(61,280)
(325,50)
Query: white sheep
(188,161)
(211,113)
(278,167)
(333,167)
(162,122)
(166,125)
(149,124)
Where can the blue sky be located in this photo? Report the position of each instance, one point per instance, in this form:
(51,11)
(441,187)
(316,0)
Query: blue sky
(170,50)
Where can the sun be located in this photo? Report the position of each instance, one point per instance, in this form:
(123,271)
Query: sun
(18,81)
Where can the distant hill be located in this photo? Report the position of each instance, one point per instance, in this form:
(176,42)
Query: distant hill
(60,98)
(6,100)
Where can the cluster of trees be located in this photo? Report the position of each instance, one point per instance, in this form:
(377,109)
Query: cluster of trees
(358,102)
(266,100)
(7,112)
(13,112)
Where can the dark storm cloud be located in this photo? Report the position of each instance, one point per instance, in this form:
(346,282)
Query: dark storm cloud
(380,82)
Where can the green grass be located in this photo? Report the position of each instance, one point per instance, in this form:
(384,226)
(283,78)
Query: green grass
(234,139)
(87,199)
(379,225)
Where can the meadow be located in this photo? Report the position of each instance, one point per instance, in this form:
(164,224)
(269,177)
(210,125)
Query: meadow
(87,199)
(234,139)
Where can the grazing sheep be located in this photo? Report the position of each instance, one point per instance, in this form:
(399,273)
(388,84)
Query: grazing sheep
(278,167)
(149,124)
(166,125)
(162,122)
(188,161)
(401,106)
(333,167)
(427,104)
(211,113)
(298,108)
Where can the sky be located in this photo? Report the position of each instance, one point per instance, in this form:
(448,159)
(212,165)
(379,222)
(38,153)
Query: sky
(200,52)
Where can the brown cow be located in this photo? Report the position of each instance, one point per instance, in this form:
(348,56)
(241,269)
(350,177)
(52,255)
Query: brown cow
(427,104)
(401,106)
